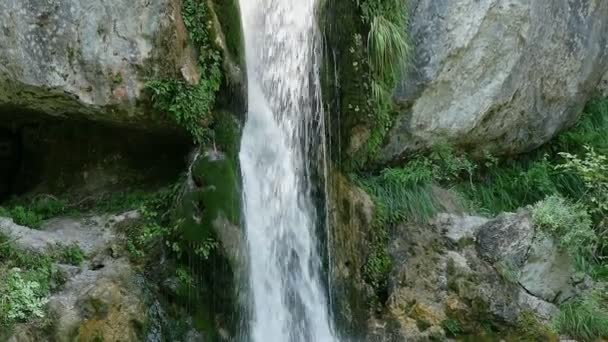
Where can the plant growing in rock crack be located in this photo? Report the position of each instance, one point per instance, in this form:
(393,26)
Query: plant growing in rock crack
(568,222)
(70,254)
(191,106)
(388,51)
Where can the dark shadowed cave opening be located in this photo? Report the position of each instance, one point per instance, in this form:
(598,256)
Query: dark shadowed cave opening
(52,155)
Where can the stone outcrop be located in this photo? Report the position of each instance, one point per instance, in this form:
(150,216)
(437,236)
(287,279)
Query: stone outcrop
(103,298)
(90,58)
(497,75)
(460,270)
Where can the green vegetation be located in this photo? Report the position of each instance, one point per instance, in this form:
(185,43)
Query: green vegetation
(387,49)
(191,106)
(452,327)
(570,223)
(529,328)
(585,319)
(32,212)
(28,280)
(564,182)
(25,298)
(71,255)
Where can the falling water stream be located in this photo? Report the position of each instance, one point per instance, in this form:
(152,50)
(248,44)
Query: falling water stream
(282,132)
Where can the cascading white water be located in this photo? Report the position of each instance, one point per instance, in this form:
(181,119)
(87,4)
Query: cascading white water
(288,300)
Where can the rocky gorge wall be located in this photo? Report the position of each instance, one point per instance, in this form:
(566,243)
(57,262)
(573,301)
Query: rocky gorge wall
(76,110)
(489,78)
(113,107)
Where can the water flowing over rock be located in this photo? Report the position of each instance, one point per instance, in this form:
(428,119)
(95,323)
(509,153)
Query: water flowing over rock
(498,75)
(280,141)
(89,57)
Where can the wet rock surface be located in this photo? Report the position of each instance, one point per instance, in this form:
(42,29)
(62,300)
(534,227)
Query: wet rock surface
(469,269)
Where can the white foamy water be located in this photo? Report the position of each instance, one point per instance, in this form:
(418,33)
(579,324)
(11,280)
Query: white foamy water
(289,303)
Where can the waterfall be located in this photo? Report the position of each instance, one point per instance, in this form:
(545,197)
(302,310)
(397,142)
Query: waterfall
(282,136)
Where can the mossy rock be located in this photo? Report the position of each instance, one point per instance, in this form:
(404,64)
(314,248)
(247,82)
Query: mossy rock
(211,195)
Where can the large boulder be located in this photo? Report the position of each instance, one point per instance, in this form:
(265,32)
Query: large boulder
(460,271)
(497,75)
(89,57)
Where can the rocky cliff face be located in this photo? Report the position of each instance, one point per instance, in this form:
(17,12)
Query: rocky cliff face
(501,75)
(89,58)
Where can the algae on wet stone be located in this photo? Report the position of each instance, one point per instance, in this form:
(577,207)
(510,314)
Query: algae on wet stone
(215,196)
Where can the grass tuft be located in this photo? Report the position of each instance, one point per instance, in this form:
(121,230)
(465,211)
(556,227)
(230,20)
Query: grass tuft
(585,319)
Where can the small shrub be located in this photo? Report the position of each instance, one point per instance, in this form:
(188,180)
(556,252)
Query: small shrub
(23,299)
(71,255)
(593,170)
(585,319)
(569,223)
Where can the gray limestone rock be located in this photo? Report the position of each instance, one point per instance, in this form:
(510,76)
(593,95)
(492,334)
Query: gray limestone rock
(497,75)
(87,57)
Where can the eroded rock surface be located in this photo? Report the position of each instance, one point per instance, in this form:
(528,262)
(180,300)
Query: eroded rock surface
(103,298)
(468,269)
(498,75)
(89,57)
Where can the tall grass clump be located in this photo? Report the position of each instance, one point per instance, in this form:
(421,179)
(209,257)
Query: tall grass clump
(402,193)
(585,319)
(388,51)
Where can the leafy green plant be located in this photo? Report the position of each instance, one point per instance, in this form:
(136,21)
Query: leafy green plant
(569,223)
(23,298)
(191,106)
(585,319)
(29,279)
(71,255)
(593,170)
